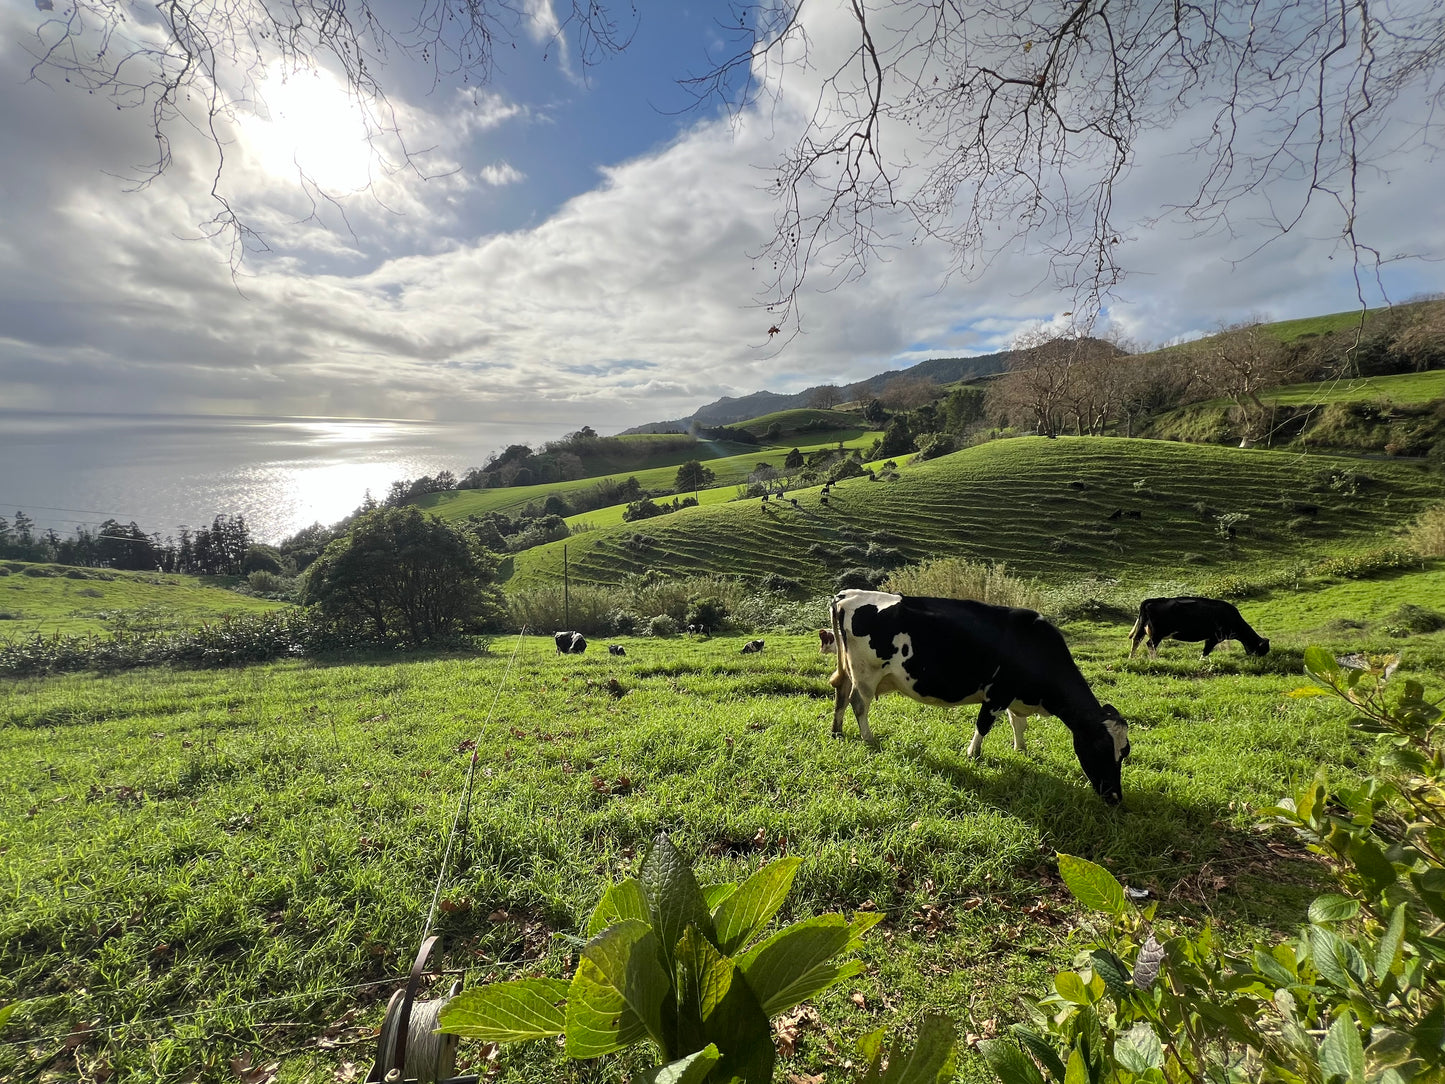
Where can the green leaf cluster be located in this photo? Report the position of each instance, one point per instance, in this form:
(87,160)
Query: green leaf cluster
(683,966)
(1357,996)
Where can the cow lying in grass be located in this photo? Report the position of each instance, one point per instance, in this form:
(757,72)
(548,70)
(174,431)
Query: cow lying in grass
(1192,618)
(950,652)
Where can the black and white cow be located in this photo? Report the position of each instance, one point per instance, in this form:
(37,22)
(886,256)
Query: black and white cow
(1192,618)
(569,643)
(827,645)
(949,652)
(752,647)
(616,649)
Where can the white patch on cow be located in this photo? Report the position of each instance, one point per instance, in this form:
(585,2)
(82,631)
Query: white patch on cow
(1119,731)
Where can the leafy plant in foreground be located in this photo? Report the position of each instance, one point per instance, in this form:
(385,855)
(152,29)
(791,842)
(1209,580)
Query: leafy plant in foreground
(684,967)
(1357,996)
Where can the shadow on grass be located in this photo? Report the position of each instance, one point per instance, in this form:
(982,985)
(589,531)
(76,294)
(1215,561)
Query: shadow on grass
(1183,852)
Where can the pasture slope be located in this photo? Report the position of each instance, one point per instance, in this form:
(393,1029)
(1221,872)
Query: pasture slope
(730,462)
(1042,506)
(46,600)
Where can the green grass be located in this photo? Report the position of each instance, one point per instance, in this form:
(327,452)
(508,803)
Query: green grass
(1407,388)
(808,423)
(50,599)
(176,845)
(1041,506)
(730,469)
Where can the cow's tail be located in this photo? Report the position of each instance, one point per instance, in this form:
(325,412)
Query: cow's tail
(1139,631)
(838,647)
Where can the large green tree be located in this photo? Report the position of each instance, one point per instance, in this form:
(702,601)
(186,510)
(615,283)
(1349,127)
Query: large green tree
(399,574)
(693,475)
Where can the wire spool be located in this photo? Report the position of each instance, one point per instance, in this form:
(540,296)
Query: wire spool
(428,1055)
(410,1047)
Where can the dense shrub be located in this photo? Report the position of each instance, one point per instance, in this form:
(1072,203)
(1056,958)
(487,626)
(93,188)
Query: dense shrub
(707,612)
(1427,534)
(662,625)
(864,579)
(957,577)
(1357,996)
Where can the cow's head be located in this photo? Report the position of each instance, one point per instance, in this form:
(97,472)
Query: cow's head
(1261,648)
(1101,751)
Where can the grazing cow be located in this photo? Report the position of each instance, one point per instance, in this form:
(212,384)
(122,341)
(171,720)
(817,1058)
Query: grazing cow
(752,647)
(827,642)
(950,651)
(616,649)
(823,501)
(1192,618)
(569,643)
(700,630)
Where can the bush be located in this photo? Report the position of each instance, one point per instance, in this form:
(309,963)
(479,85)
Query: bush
(268,583)
(1427,534)
(622,622)
(707,612)
(1410,619)
(1358,995)
(864,579)
(661,625)
(958,577)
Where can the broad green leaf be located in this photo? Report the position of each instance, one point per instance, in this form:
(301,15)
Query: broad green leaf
(692,1069)
(1388,1048)
(795,964)
(1111,969)
(1320,663)
(1389,948)
(1009,1063)
(870,1049)
(620,902)
(1139,1049)
(1070,985)
(1342,1055)
(712,895)
(1333,908)
(1040,1048)
(672,890)
(1077,1071)
(1370,861)
(740,917)
(703,978)
(717,1006)
(616,995)
(1335,958)
(1092,885)
(7,1010)
(507,1012)
(930,1060)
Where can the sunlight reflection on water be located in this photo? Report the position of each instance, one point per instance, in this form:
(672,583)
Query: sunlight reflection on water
(282,474)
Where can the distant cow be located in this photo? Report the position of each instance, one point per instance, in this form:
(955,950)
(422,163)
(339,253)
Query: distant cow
(569,643)
(752,647)
(1192,618)
(616,649)
(827,642)
(700,630)
(950,652)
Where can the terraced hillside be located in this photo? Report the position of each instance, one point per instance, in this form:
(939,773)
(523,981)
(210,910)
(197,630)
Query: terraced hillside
(730,469)
(1045,507)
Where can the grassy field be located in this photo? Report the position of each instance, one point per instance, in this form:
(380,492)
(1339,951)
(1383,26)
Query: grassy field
(50,599)
(200,866)
(731,468)
(1406,388)
(1042,506)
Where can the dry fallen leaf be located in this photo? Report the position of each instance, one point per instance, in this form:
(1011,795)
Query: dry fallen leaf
(247,1073)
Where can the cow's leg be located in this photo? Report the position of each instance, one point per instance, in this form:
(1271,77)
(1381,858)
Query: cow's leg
(1154,646)
(861,701)
(1019,722)
(842,691)
(1136,635)
(1209,645)
(981,728)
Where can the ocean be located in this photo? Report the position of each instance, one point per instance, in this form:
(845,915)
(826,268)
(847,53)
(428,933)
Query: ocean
(167,471)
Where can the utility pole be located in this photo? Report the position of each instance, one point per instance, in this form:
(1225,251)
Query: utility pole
(566,591)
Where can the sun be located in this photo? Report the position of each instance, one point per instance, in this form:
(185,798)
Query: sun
(305,121)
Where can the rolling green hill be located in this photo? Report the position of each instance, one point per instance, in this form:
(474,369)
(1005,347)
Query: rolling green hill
(1046,508)
(1404,388)
(731,468)
(49,599)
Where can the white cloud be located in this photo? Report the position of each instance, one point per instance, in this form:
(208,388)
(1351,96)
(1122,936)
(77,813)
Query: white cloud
(500,173)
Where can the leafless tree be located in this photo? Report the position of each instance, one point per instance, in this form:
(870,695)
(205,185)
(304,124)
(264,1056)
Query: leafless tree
(982,122)
(1238,363)
(972,123)
(825,396)
(196,64)
(908,393)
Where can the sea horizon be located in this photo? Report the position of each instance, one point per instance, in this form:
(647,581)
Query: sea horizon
(166,471)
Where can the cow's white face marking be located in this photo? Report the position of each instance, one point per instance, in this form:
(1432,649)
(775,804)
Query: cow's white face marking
(1119,731)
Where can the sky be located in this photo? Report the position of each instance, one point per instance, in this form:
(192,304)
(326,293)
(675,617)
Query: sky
(569,244)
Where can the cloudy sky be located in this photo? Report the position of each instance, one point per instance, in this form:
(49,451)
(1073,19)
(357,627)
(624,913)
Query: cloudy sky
(568,244)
